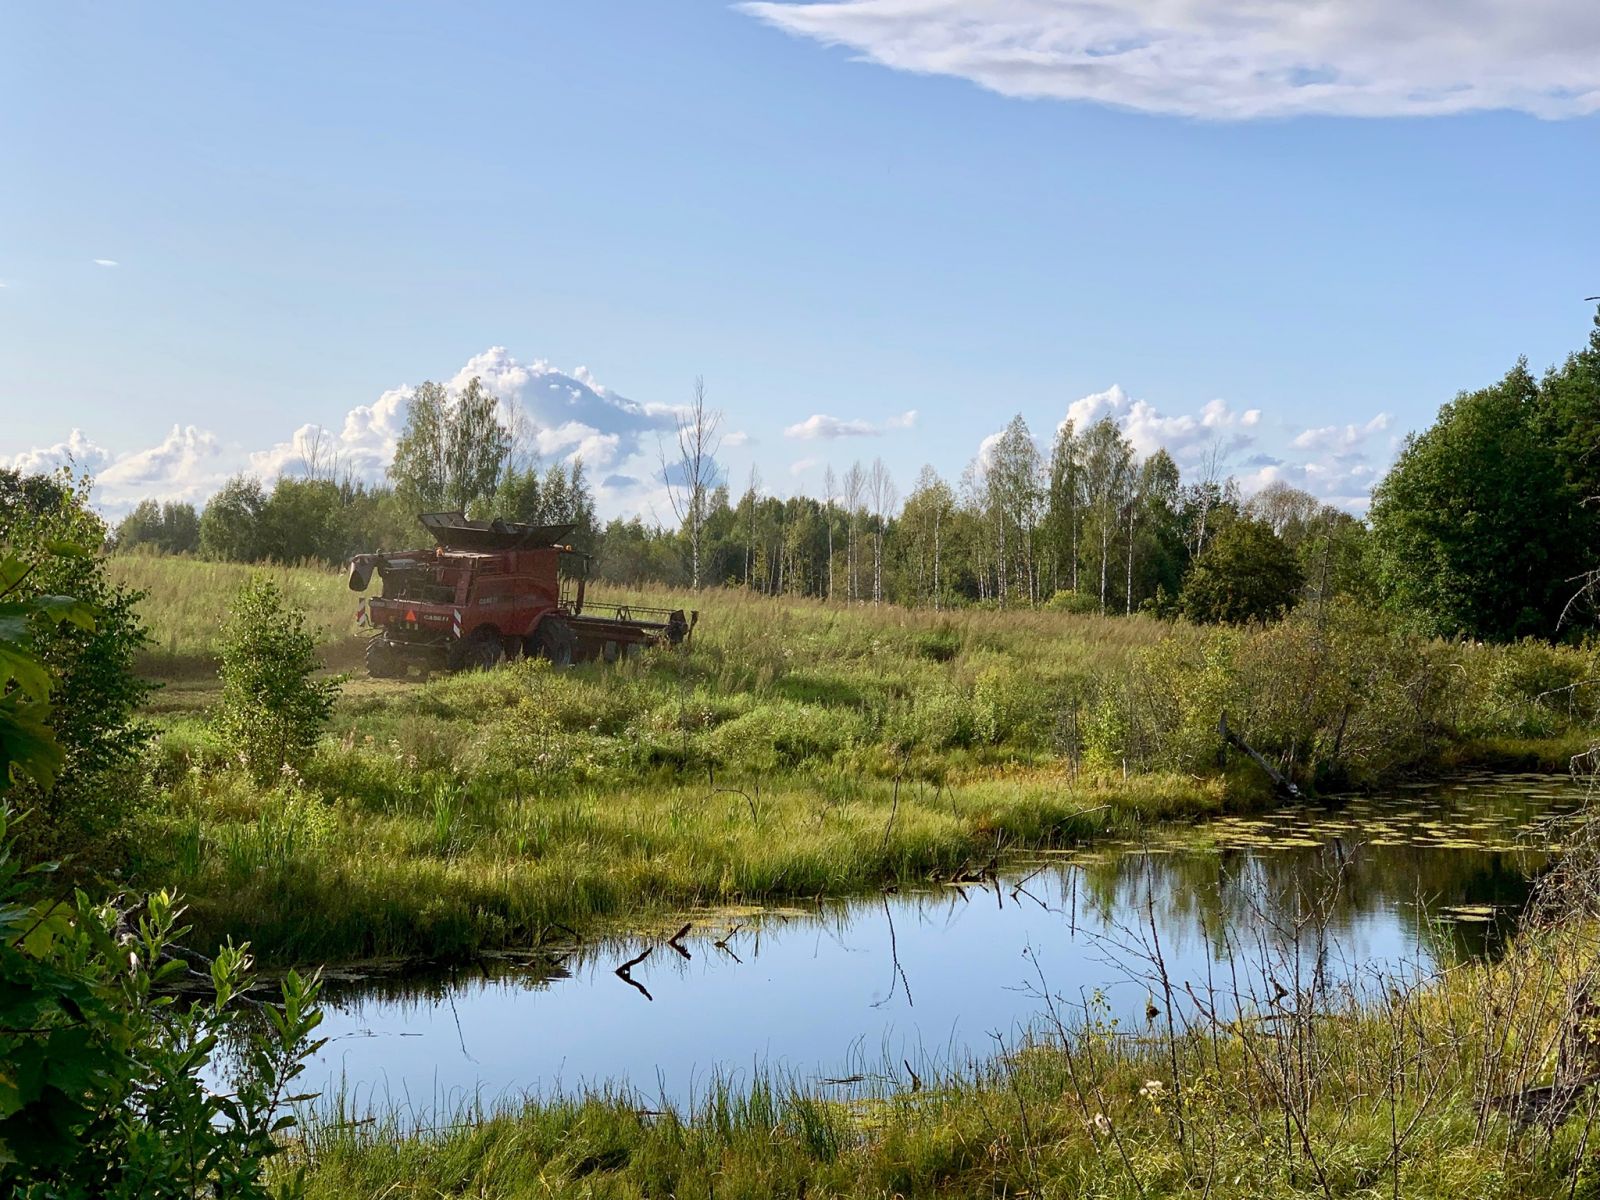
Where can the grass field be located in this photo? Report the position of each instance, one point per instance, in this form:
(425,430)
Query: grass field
(795,749)
(798,749)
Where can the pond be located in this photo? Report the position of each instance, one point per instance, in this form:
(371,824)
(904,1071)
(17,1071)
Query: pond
(873,991)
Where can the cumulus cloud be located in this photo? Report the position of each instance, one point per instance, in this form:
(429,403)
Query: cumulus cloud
(558,416)
(573,413)
(1217,427)
(77,453)
(1224,60)
(188,464)
(1339,464)
(821,425)
(362,447)
(739,438)
(1344,485)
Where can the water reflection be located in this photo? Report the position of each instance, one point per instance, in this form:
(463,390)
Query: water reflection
(883,988)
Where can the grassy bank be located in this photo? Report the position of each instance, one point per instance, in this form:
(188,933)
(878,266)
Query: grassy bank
(1423,1089)
(796,749)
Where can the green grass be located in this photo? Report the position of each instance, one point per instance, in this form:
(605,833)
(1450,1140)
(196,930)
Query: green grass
(187,601)
(798,750)
(795,749)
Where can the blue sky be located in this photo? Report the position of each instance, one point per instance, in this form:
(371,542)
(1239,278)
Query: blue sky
(859,210)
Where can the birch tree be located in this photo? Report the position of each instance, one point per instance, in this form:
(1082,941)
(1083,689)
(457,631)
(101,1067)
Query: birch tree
(699,437)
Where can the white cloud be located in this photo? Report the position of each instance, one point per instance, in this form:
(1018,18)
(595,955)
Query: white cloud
(1341,439)
(1186,436)
(821,425)
(739,438)
(1331,462)
(803,465)
(562,416)
(77,452)
(106,262)
(362,448)
(1227,60)
(188,464)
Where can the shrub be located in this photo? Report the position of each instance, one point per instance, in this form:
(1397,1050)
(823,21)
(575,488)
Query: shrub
(272,709)
(105,1095)
(49,528)
(783,735)
(1081,603)
(1247,573)
(939,644)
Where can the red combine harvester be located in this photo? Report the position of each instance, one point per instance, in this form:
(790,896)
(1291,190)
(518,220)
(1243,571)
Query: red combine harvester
(492,590)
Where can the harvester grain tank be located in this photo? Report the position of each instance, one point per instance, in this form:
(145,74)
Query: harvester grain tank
(491,590)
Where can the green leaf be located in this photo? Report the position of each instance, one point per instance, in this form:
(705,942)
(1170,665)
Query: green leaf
(28,745)
(29,674)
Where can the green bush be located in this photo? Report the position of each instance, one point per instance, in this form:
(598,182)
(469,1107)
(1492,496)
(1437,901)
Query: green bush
(783,735)
(47,524)
(102,1093)
(1011,706)
(940,644)
(272,709)
(1081,603)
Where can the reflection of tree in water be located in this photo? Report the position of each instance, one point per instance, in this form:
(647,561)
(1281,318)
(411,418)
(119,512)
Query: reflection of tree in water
(1416,861)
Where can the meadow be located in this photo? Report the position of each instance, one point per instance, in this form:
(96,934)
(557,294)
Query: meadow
(797,749)
(794,749)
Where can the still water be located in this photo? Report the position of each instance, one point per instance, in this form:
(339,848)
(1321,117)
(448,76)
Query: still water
(868,991)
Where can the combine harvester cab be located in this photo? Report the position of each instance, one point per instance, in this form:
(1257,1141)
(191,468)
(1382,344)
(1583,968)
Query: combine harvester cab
(492,590)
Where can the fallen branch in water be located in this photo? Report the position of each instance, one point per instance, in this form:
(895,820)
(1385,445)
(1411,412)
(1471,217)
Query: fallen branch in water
(676,940)
(625,972)
(1281,781)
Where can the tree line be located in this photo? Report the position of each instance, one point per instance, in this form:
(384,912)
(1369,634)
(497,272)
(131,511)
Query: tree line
(1486,526)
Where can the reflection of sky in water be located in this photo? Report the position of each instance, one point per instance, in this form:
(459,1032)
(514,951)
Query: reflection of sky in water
(818,995)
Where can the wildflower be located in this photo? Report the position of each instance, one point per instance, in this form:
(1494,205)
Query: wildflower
(1101,1123)
(1152,1089)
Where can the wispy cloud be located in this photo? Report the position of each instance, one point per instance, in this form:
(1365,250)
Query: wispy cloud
(821,425)
(1341,439)
(106,262)
(1225,60)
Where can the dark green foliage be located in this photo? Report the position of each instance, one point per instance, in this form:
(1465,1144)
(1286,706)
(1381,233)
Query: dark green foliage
(96,694)
(272,708)
(1570,416)
(28,745)
(304,520)
(1246,573)
(170,528)
(101,1089)
(230,527)
(1475,529)
(940,644)
(562,497)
